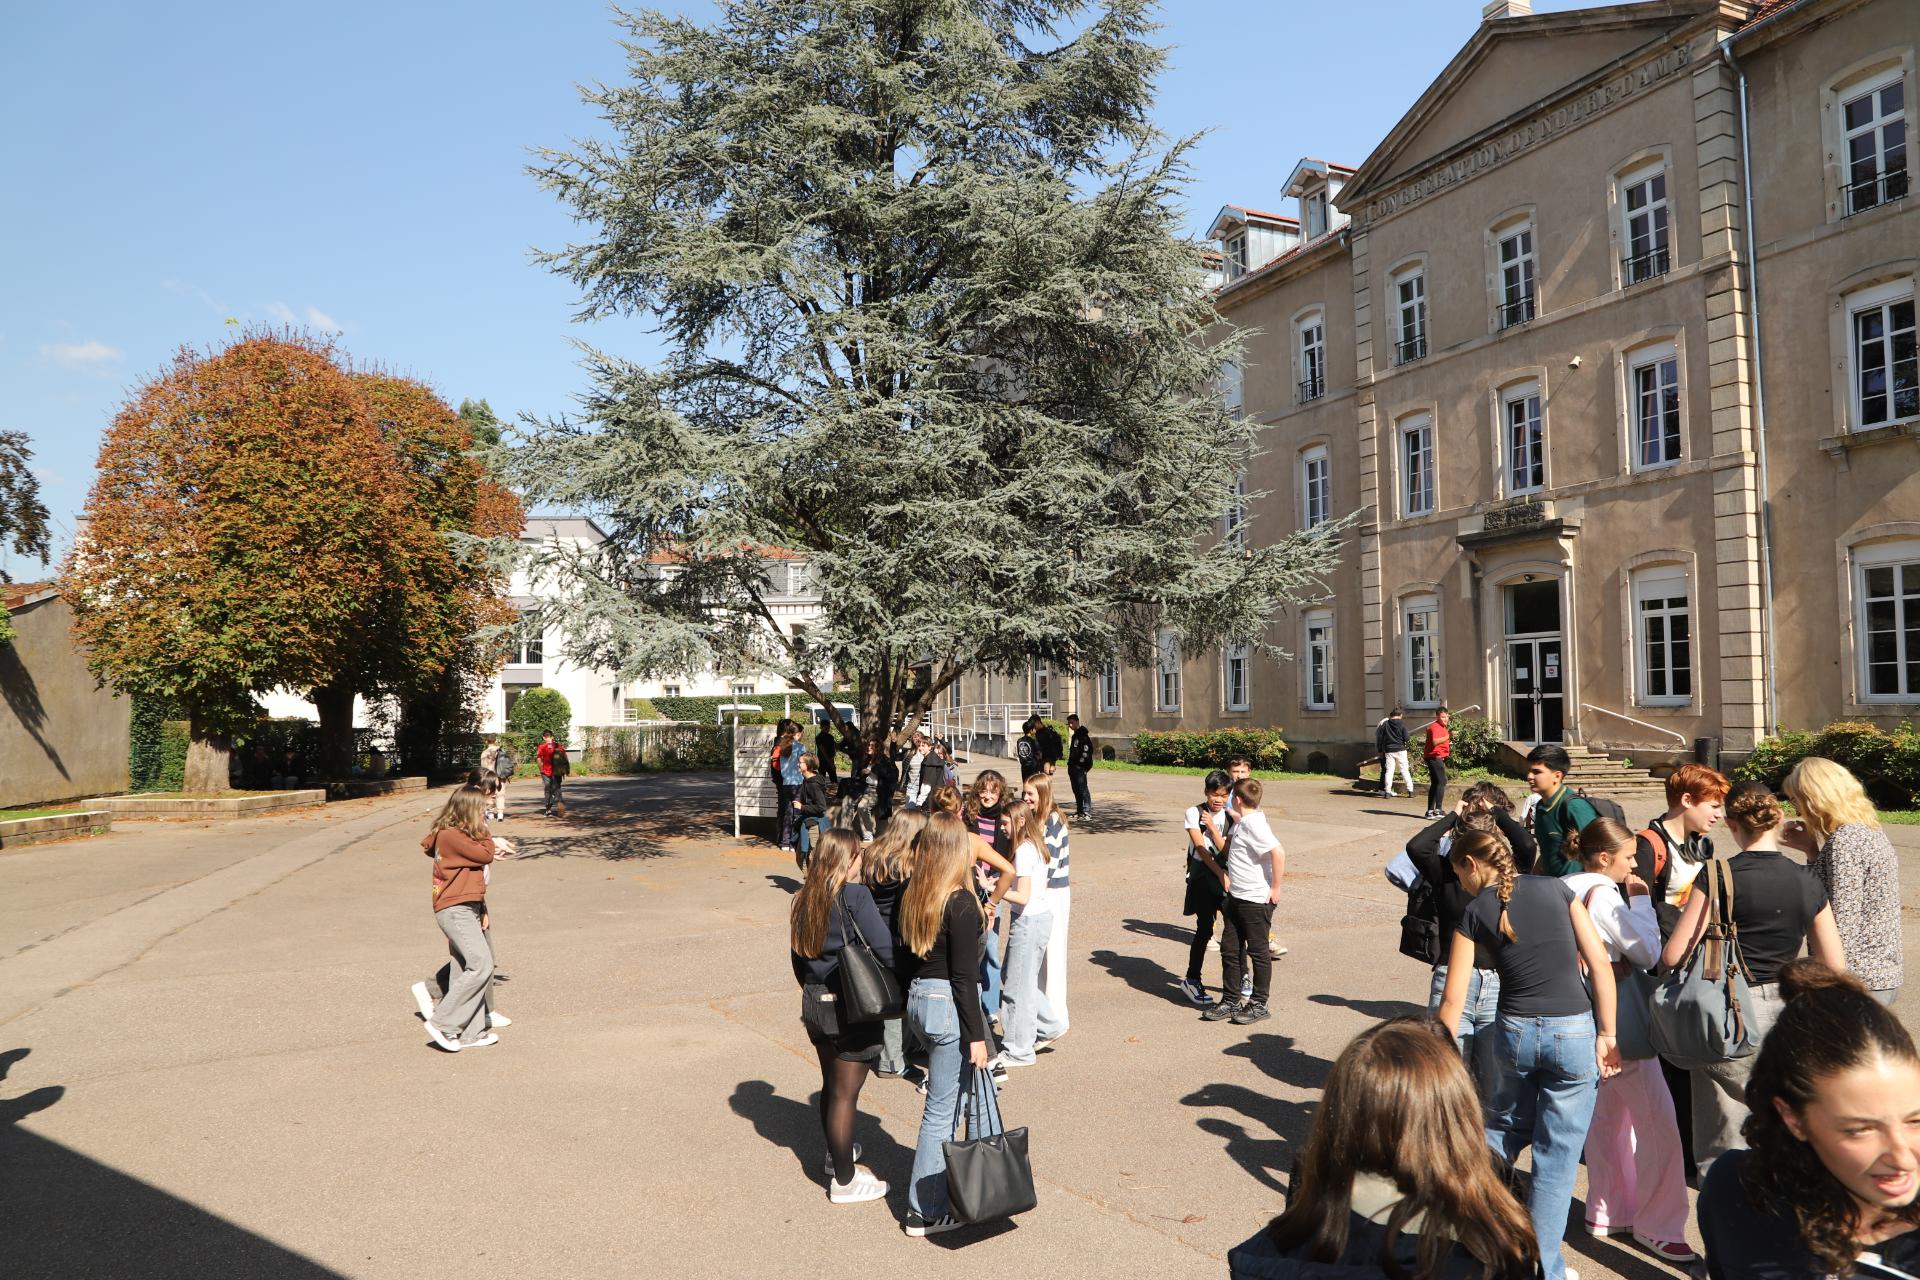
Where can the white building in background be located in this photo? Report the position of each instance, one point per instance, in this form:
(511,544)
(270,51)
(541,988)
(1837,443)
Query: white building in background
(600,697)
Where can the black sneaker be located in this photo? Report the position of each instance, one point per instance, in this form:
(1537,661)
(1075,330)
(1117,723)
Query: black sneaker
(1221,1012)
(1251,1012)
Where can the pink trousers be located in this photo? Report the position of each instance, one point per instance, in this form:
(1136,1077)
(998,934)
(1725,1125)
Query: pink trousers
(1634,1173)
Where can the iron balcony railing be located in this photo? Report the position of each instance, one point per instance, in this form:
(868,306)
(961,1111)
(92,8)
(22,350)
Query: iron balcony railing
(1645,266)
(1312,389)
(1518,311)
(1414,348)
(1869,193)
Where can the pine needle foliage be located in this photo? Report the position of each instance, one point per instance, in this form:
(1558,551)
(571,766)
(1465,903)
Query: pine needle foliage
(933,323)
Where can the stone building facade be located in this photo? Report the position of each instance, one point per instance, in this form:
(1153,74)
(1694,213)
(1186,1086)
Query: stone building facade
(1610,347)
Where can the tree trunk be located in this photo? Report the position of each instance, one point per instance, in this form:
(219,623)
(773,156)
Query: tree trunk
(209,756)
(335,705)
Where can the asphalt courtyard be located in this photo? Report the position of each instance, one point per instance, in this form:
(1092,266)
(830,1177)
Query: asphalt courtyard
(210,1066)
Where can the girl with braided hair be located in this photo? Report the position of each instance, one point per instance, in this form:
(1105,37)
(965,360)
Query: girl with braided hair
(1548,1058)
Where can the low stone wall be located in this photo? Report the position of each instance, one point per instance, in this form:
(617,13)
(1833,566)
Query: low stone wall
(22,832)
(357,788)
(244,806)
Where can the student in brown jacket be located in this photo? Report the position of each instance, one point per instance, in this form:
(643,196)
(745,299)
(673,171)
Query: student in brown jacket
(462,853)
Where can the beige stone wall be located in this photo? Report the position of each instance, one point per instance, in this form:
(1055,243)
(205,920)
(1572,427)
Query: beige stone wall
(60,737)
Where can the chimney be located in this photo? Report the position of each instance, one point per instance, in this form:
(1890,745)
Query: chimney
(1506,9)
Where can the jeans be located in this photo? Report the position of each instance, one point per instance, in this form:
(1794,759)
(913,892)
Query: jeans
(1082,793)
(1720,1091)
(1053,963)
(785,810)
(1437,797)
(1244,941)
(1390,762)
(1474,1035)
(990,964)
(551,783)
(1025,1011)
(1545,1078)
(809,824)
(931,1015)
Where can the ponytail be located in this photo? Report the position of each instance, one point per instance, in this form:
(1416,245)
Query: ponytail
(1490,849)
(1595,841)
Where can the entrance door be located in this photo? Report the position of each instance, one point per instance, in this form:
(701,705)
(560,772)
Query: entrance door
(1536,678)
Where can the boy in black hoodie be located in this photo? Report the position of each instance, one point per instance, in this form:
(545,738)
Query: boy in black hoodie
(813,801)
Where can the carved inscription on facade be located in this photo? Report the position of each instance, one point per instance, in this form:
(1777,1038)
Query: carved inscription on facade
(1546,125)
(1518,516)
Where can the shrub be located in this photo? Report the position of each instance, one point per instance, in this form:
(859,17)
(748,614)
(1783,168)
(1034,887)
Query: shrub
(1211,750)
(1474,740)
(172,755)
(1887,764)
(143,742)
(536,712)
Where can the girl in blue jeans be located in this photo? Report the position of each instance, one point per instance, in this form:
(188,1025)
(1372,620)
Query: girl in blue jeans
(1547,1057)
(940,923)
(1025,1013)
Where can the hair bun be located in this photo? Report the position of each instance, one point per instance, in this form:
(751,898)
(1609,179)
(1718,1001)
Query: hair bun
(1807,976)
(1754,806)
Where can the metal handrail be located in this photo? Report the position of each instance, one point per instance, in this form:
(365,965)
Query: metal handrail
(1871,193)
(1640,268)
(1677,737)
(983,719)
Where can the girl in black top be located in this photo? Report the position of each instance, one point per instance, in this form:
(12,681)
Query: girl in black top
(886,867)
(1395,1180)
(941,924)
(830,896)
(1778,905)
(1829,1183)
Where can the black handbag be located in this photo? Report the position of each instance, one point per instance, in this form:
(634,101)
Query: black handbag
(869,990)
(988,1175)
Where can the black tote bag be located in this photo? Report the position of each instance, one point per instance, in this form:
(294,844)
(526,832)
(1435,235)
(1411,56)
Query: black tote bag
(988,1175)
(869,990)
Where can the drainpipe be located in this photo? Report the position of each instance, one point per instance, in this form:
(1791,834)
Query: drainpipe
(1759,385)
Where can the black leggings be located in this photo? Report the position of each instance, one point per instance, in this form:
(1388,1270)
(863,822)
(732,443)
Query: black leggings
(1436,782)
(840,1083)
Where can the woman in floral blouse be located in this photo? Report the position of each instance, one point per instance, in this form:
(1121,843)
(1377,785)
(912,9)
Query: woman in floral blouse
(1845,848)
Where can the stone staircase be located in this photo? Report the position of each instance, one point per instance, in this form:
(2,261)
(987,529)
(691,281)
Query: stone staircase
(1638,790)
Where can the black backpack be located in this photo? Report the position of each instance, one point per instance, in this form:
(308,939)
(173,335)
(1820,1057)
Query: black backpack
(1605,808)
(1420,927)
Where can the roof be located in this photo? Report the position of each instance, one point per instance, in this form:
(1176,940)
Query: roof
(15,594)
(1292,255)
(1764,9)
(764,552)
(1239,213)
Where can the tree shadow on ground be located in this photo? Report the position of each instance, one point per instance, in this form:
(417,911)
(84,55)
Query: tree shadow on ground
(1116,817)
(1380,1010)
(1269,1159)
(621,819)
(1277,1056)
(1149,977)
(64,1214)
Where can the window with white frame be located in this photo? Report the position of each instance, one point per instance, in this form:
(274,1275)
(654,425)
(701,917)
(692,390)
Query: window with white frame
(669,690)
(1316,211)
(1235,678)
(1311,344)
(1316,488)
(1643,214)
(529,641)
(1416,464)
(1167,672)
(1236,256)
(1662,636)
(1410,315)
(1886,589)
(742,689)
(1873,131)
(1515,261)
(1884,380)
(799,577)
(1524,439)
(1040,681)
(1233,525)
(1420,661)
(1653,377)
(1232,387)
(1109,688)
(1319,666)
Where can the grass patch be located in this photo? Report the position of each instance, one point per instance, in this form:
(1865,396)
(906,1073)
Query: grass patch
(1901,817)
(21,815)
(198,795)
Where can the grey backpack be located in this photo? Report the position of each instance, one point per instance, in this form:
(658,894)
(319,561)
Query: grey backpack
(1700,1011)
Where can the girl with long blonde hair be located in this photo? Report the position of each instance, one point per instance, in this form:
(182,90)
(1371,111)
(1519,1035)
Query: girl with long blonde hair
(831,898)
(458,1009)
(1028,1019)
(1552,1041)
(886,868)
(940,923)
(1849,854)
(1038,792)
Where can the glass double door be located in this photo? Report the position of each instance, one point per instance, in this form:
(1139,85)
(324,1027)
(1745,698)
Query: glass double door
(1536,673)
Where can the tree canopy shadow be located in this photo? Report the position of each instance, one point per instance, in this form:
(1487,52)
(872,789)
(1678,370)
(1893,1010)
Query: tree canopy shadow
(22,694)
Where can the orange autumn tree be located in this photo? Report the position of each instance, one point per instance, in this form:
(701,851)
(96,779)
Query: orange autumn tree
(237,535)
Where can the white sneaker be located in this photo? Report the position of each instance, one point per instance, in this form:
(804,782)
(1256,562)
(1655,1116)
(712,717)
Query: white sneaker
(1047,1042)
(444,1041)
(862,1186)
(1214,945)
(482,1042)
(922,1227)
(829,1160)
(498,1020)
(422,1000)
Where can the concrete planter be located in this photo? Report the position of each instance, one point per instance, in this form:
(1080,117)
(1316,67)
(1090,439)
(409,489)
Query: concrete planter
(246,806)
(357,788)
(60,826)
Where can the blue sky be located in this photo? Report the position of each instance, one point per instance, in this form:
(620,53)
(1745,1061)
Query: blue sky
(361,167)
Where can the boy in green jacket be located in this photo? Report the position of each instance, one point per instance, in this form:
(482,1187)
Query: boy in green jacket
(1559,811)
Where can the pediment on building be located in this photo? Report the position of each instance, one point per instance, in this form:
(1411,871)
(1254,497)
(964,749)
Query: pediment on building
(1510,65)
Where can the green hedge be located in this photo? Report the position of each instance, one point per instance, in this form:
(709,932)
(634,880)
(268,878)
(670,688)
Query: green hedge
(1887,764)
(175,736)
(1264,748)
(144,764)
(1474,740)
(613,749)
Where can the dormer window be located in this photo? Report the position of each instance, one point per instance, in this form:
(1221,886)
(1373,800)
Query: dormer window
(1236,256)
(1315,209)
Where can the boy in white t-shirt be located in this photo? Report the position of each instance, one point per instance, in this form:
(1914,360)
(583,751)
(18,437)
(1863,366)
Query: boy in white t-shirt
(1255,863)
